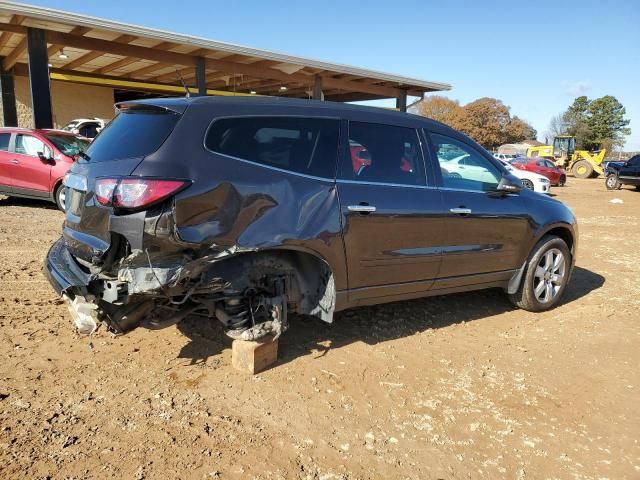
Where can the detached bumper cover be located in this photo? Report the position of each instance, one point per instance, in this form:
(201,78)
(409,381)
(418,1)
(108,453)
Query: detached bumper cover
(62,271)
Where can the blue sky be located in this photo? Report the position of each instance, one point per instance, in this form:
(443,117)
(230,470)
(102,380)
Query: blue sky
(534,56)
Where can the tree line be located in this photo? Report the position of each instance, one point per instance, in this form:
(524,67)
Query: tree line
(487,120)
(596,124)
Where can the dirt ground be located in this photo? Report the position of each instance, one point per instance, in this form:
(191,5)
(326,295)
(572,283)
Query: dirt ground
(463,386)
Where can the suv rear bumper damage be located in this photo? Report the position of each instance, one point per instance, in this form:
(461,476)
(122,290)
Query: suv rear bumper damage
(248,291)
(63,272)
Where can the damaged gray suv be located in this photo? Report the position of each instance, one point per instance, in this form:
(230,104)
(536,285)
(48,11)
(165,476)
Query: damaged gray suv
(247,209)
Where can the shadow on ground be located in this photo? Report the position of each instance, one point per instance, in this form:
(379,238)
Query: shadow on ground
(26,202)
(374,324)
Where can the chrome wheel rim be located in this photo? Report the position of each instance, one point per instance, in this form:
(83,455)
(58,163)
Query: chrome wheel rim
(62,196)
(549,275)
(527,184)
(611,181)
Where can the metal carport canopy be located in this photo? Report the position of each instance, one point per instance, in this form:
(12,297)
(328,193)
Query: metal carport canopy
(95,48)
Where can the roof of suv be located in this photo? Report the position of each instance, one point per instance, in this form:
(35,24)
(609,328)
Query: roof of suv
(179,104)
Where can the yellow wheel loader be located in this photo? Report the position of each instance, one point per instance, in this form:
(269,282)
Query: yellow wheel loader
(581,163)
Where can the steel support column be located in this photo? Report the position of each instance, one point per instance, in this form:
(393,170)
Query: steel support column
(201,77)
(9,110)
(318,94)
(39,78)
(401,101)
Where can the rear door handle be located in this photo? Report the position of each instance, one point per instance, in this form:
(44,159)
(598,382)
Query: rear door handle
(15,161)
(361,208)
(460,211)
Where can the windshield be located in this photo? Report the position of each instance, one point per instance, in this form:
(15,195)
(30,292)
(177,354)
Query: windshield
(68,144)
(133,133)
(70,126)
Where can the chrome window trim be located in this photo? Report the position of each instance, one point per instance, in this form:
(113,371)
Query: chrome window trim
(270,167)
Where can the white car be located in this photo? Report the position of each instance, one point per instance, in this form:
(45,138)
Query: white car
(504,156)
(532,181)
(86,127)
(467,167)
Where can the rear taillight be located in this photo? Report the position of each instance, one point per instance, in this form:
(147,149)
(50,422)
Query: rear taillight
(134,193)
(104,190)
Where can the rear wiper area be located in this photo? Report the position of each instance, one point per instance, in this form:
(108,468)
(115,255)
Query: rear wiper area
(83,155)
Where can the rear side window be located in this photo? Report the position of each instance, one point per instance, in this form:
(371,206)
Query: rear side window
(132,134)
(4,141)
(383,154)
(302,145)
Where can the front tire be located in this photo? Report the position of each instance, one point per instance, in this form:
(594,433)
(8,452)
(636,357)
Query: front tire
(612,182)
(60,196)
(546,275)
(582,169)
(527,183)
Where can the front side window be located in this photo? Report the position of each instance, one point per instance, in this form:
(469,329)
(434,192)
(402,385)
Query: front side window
(463,167)
(302,145)
(28,145)
(383,154)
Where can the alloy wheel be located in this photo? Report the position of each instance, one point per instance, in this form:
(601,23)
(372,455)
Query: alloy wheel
(549,276)
(62,197)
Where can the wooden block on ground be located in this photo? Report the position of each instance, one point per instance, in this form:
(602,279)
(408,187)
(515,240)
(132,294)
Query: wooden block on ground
(255,356)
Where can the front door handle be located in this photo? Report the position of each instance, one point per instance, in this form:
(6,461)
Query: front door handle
(15,161)
(361,208)
(460,211)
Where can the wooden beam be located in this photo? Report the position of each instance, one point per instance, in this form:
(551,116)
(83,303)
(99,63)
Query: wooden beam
(118,47)
(11,59)
(6,35)
(129,60)
(161,65)
(189,60)
(185,73)
(53,49)
(87,57)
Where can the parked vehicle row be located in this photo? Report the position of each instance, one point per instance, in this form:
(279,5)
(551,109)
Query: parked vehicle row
(541,166)
(33,162)
(246,209)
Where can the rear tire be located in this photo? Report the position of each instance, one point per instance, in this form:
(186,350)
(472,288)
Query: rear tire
(527,183)
(582,169)
(638,188)
(60,197)
(545,277)
(563,181)
(612,182)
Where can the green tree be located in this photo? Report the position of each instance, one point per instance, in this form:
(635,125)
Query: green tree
(606,122)
(598,123)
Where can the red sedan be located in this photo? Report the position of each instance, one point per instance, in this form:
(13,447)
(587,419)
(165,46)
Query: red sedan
(33,162)
(542,166)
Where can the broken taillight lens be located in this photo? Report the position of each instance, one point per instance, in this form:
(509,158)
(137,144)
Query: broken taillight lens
(134,193)
(104,190)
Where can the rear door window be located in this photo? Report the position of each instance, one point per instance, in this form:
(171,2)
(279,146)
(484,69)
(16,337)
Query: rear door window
(302,145)
(383,154)
(132,134)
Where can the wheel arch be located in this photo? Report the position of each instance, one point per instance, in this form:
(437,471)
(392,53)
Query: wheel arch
(313,289)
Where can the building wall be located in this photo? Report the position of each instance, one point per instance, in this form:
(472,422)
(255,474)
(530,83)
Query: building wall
(70,100)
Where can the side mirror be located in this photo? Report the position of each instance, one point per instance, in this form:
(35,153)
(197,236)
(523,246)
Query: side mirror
(45,159)
(509,184)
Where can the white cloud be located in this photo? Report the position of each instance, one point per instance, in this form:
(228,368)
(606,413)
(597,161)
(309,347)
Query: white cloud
(577,88)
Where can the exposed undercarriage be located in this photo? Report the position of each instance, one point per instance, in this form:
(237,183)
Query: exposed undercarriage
(249,292)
